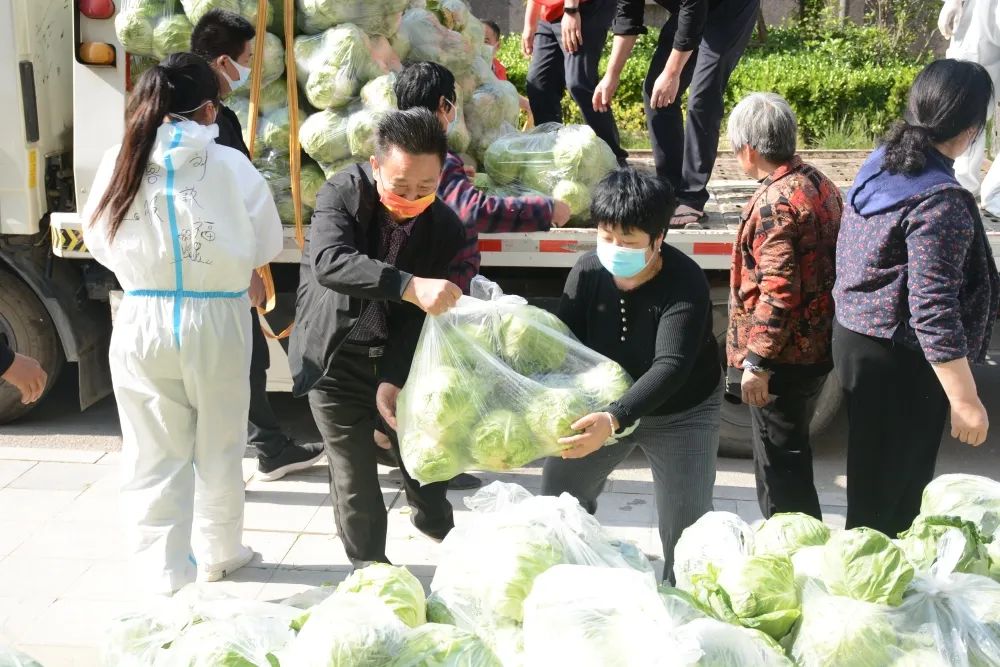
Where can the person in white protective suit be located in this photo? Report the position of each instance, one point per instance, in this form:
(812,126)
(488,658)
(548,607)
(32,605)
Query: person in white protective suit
(973,26)
(182,222)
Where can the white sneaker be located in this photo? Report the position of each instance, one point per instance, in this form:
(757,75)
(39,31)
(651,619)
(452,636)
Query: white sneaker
(220,571)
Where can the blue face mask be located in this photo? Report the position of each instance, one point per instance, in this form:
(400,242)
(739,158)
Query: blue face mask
(621,262)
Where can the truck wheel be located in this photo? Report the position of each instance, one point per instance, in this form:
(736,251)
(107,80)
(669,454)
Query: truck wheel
(734,433)
(28,330)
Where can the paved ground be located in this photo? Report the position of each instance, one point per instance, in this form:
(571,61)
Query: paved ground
(60,558)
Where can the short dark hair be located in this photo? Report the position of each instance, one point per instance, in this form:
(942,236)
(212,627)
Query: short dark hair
(221,33)
(947,98)
(415,131)
(494,26)
(422,85)
(630,199)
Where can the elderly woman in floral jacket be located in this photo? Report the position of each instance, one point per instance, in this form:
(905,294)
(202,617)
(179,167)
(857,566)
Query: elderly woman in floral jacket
(780,304)
(917,293)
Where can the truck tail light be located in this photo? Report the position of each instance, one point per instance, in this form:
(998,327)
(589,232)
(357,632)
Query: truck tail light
(97,9)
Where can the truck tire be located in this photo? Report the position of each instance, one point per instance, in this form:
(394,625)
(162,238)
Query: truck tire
(28,330)
(734,432)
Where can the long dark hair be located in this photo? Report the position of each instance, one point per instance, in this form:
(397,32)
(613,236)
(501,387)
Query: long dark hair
(947,98)
(182,82)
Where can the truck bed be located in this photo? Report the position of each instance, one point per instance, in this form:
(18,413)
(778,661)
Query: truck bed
(709,243)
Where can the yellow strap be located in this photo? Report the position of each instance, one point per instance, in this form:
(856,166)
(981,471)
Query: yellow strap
(295,152)
(257,74)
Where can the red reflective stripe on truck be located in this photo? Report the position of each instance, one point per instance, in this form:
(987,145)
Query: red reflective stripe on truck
(713,248)
(553,245)
(490,245)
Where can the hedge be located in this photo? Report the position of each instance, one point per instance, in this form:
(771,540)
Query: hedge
(826,79)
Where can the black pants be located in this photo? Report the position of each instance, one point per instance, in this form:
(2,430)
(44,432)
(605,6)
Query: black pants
(685,156)
(553,70)
(782,454)
(897,412)
(343,405)
(264,433)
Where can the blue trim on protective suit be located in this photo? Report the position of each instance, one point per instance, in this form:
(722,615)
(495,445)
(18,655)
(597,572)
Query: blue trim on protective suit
(175,233)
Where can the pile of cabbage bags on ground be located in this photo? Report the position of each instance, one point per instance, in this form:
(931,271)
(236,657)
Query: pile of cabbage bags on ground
(494,384)
(346,54)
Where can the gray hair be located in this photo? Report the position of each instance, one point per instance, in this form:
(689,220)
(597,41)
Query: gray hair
(764,122)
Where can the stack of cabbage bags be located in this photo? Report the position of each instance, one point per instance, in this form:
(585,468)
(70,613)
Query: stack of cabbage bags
(562,161)
(494,384)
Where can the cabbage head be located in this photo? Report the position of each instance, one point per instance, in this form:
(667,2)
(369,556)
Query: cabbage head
(196,9)
(725,645)
(482,181)
(172,34)
(244,641)
(361,126)
(570,149)
(784,534)
(455,14)
(335,65)
(605,383)
(273,59)
(272,96)
(842,632)
(275,22)
(323,136)
(551,415)
(395,586)
(575,195)
(442,402)
(429,460)
(311,180)
(970,497)
(134,28)
(502,164)
(920,544)
(757,592)
(401,45)
(348,630)
(864,564)
(502,441)
(532,340)
(712,540)
(379,94)
(273,130)
(439,645)
(458,136)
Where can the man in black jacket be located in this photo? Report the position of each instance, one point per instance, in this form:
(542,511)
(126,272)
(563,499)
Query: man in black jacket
(223,38)
(22,372)
(377,258)
(697,51)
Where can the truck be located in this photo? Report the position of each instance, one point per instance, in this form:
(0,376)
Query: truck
(64,111)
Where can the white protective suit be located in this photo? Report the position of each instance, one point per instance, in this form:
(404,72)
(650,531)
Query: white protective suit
(202,221)
(977,38)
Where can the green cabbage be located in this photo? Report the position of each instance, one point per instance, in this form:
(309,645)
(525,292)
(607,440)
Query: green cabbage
(272,95)
(243,641)
(429,40)
(348,630)
(575,195)
(483,181)
(429,460)
(864,564)
(784,534)
(442,404)
(273,131)
(134,28)
(395,586)
(275,21)
(312,179)
(323,136)
(171,35)
(841,632)
(605,383)
(502,441)
(196,9)
(712,541)
(970,497)
(379,94)
(501,163)
(273,60)
(334,66)
(725,645)
(532,340)
(757,592)
(139,65)
(454,14)
(458,136)
(361,126)
(438,645)
(551,415)
(376,17)
(920,544)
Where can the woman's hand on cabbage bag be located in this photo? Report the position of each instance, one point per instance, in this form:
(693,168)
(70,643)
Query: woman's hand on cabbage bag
(385,400)
(597,427)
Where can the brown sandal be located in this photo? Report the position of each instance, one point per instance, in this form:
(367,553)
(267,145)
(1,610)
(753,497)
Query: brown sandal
(686,217)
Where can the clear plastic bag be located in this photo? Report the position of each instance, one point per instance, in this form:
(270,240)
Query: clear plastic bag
(440,645)
(334,65)
(715,539)
(246,640)
(11,657)
(600,617)
(196,9)
(272,58)
(347,630)
(488,565)
(726,645)
(562,161)
(396,587)
(491,113)
(276,170)
(376,17)
(154,28)
(429,40)
(494,384)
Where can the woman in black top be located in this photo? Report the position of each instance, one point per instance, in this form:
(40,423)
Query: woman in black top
(646,305)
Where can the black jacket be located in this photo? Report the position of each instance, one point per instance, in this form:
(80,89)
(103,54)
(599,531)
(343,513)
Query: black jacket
(230,131)
(338,276)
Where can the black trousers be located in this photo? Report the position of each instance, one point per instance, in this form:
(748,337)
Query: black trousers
(343,405)
(897,412)
(782,454)
(553,70)
(264,432)
(685,156)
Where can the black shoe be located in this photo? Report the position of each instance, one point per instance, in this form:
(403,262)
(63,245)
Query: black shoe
(292,458)
(386,457)
(436,535)
(463,482)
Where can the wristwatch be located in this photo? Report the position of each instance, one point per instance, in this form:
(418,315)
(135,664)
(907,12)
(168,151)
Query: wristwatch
(572,11)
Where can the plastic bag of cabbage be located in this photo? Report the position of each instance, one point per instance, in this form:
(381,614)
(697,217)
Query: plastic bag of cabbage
(334,65)
(276,170)
(970,498)
(562,161)
(488,565)
(154,28)
(196,9)
(375,17)
(494,384)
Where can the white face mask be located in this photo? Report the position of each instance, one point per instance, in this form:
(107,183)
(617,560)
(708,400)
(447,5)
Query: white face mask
(244,76)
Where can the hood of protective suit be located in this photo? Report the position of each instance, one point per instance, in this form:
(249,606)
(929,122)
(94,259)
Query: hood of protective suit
(181,141)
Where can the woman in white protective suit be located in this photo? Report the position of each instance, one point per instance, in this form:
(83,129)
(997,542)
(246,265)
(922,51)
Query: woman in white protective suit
(182,222)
